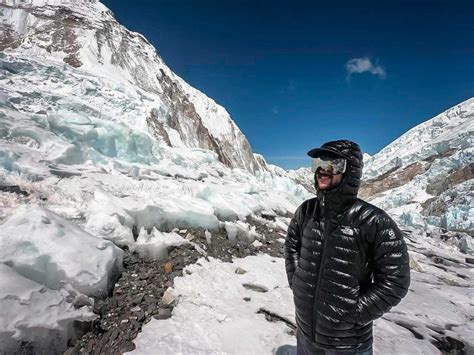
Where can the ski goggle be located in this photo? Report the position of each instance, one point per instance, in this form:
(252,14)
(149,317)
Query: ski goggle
(329,165)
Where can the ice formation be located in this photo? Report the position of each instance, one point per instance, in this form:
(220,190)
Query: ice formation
(36,315)
(47,249)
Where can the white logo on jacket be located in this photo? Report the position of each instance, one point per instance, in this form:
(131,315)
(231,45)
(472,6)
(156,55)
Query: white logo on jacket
(391,234)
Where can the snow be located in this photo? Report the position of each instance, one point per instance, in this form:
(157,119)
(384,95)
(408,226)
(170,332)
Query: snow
(210,321)
(120,66)
(207,320)
(33,313)
(240,231)
(451,129)
(155,245)
(47,249)
(75,143)
(443,144)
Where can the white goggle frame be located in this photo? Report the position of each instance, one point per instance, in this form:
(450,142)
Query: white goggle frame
(330,166)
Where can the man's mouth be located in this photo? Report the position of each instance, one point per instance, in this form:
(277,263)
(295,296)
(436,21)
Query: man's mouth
(324,180)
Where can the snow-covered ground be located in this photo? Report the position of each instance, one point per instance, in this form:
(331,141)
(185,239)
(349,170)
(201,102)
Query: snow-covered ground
(218,312)
(222,307)
(82,205)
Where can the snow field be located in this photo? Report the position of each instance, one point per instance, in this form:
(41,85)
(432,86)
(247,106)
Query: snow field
(212,316)
(77,141)
(216,314)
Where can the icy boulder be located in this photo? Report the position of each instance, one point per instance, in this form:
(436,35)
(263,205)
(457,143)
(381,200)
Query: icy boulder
(45,248)
(155,245)
(115,218)
(34,316)
(466,245)
(240,231)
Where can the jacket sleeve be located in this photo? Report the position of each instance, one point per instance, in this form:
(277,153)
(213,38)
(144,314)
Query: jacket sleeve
(391,272)
(293,245)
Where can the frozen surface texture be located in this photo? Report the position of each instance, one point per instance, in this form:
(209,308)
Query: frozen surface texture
(101,144)
(425,178)
(45,248)
(34,314)
(210,321)
(207,320)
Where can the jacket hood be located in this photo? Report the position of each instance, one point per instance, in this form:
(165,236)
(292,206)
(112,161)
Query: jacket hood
(342,196)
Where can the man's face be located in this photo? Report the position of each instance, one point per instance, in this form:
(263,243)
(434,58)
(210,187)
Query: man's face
(328,171)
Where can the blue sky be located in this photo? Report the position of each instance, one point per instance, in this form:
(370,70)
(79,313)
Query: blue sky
(295,74)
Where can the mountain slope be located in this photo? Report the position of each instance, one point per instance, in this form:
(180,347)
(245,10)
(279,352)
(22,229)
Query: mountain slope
(425,177)
(99,139)
(85,35)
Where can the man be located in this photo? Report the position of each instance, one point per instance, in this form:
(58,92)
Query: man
(346,260)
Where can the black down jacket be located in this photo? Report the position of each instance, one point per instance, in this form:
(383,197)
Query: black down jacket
(346,261)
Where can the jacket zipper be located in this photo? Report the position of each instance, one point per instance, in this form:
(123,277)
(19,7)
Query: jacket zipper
(320,271)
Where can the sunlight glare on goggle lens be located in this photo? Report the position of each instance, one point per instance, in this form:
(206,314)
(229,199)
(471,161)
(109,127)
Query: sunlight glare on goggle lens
(329,165)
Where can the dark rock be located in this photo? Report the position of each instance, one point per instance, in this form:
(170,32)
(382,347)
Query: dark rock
(140,316)
(90,347)
(114,333)
(163,313)
(97,350)
(143,278)
(75,350)
(81,301)
(240,271)
(126,346)
(149,299)
(255,287)
(268,216)
(113,302)
(14,189)
(449,345)
(137,299)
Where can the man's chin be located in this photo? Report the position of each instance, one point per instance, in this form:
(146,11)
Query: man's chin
(323,186)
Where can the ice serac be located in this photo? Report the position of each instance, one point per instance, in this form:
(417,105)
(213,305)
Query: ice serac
(34,318)
(426,177)
(45,248)
(85,35)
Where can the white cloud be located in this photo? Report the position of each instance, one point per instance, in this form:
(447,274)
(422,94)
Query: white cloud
(364,65)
